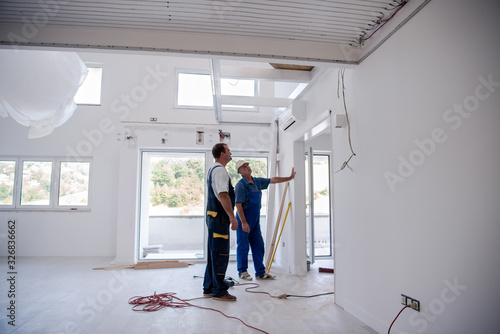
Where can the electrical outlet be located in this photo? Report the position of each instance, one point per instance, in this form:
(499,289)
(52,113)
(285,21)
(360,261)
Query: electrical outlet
(410,302)
(200,137)
(224,137)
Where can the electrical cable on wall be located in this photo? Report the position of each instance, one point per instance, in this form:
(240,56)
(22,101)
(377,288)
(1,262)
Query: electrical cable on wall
(341,82)
(389,331)
(379,23)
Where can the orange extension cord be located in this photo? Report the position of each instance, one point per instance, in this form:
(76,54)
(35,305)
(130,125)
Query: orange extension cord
(157,302)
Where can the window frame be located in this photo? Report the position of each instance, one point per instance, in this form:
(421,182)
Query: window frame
(328,156)
(14,190)
(19,185)
(142,194)
(179,71)
(93,65)
(55,181)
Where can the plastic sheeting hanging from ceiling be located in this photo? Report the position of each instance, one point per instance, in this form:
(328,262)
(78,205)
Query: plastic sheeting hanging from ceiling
(37,88)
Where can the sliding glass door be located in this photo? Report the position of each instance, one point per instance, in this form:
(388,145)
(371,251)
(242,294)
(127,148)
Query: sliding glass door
(172,205)
(318,213)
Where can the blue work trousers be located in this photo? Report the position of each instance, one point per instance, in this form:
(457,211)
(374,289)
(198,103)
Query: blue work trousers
(252,240)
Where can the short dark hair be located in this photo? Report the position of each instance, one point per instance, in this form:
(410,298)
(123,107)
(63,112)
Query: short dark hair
(218,149)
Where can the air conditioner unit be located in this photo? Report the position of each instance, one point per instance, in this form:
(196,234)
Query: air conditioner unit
(288,123)
(292,115)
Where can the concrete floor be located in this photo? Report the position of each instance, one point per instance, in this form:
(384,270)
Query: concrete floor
(64,295)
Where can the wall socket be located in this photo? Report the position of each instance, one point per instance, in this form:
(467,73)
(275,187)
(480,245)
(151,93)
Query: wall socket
(224,137)
(410,302)
(200,134)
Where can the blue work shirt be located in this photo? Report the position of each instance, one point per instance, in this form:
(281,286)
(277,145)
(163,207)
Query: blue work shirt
(244,190)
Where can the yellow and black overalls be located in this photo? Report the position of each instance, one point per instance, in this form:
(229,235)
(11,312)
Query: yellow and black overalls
(218,224)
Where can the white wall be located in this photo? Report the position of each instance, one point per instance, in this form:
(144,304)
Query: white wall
(434,235)
(428,230)
(135,87)
(64,233)
(319,100)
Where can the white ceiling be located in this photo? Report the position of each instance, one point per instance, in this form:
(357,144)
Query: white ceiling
(322,33)
(313,21)
(318,30)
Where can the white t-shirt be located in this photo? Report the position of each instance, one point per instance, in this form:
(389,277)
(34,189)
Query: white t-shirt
(220,180)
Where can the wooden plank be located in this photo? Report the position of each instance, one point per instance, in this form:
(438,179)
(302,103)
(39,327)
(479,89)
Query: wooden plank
(160,261)
(129,266)
(275,248)
(152,265)
(169,261)
(160,265)
(276,228)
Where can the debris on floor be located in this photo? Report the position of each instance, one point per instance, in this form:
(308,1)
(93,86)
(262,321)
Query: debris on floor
(151,265)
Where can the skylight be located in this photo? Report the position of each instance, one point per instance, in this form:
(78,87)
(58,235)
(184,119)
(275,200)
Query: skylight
(90,91)
(195,90)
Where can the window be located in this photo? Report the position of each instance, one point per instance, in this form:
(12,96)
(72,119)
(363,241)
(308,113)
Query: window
(237,87)
(44,184)
(172,219)
(319,210)
(195,90)
(172,203)
(7,173)
(74,184)
(36,182)
(90,91)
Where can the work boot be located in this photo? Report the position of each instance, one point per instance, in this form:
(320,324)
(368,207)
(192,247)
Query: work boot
(246,276)
(266,276)
(226,298)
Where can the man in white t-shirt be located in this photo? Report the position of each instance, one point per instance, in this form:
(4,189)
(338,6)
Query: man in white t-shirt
(220,215)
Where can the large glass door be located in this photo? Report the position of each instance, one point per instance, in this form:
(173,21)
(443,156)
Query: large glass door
(322,212)
(310,205)
(172,205)
(318,213)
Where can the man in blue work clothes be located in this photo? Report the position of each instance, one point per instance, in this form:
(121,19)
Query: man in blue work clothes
(248,203)
(220,214)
